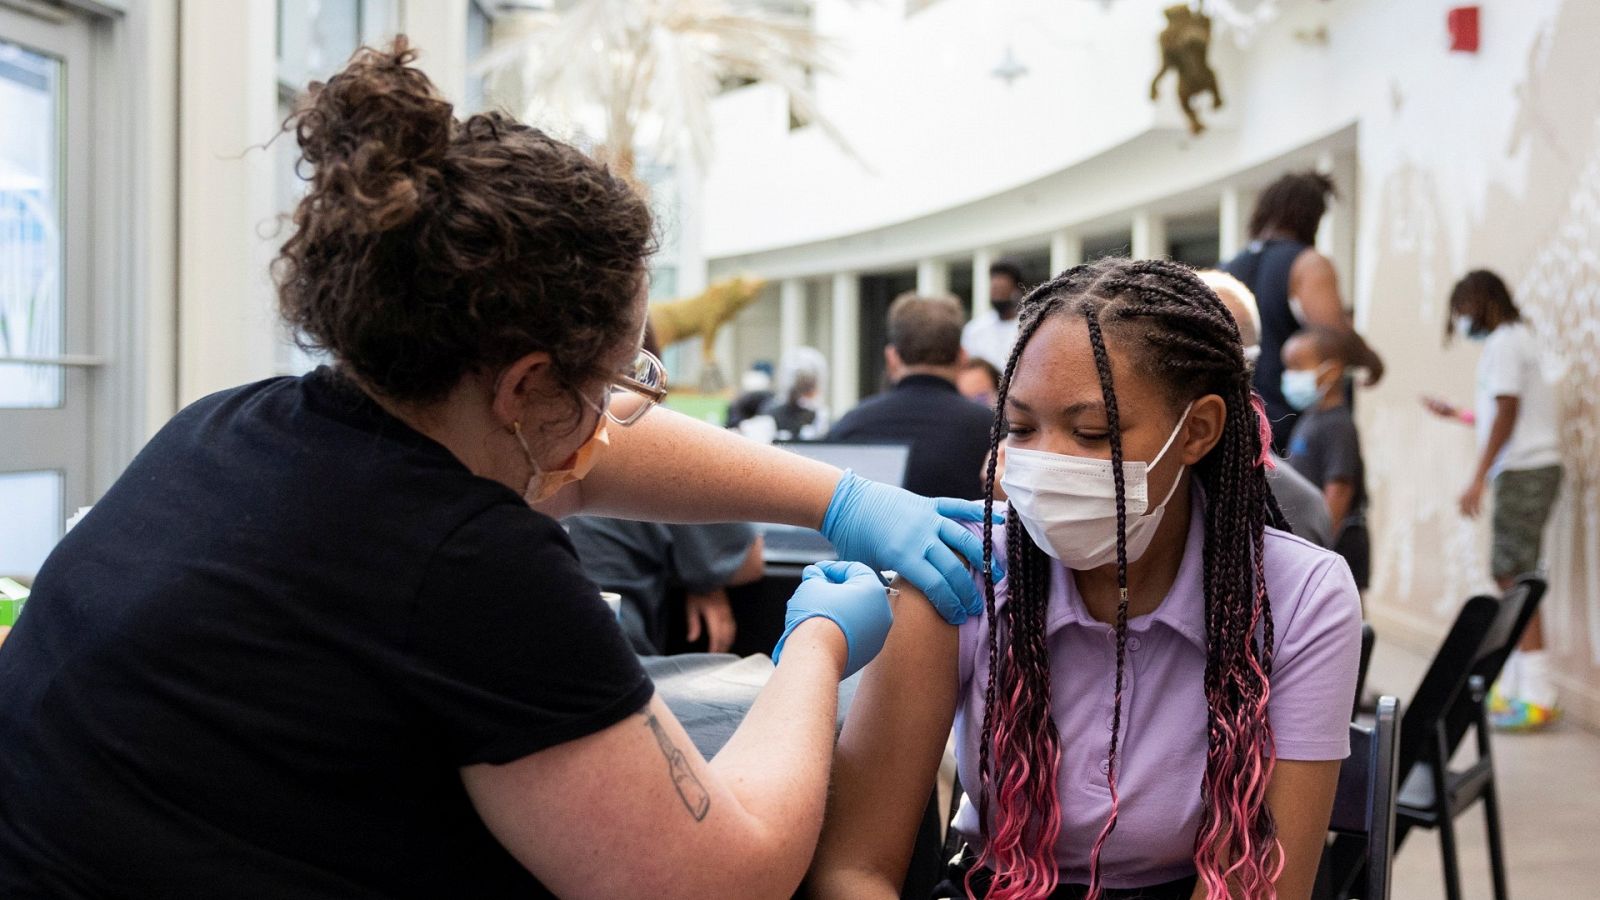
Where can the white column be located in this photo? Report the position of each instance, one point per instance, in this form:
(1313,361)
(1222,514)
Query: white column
(982,259)
(1326,244)
(933,277)
(1230,223)
(1066,251)
(845,359)
(227,104)
(1328,231)
(153,40)
(791,315)
(438,28)
(1149,235)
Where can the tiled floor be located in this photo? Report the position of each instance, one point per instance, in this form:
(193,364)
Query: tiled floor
(1550,804)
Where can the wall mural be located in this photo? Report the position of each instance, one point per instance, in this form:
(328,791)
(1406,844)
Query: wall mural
(1561,293)
(1536,220)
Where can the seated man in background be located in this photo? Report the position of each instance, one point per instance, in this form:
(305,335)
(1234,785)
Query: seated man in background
(651,565)
(947,433)
(1300,500)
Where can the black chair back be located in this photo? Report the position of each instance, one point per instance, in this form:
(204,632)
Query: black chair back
(1367,640)
(1364,810)
(1484,626)
(1497,647)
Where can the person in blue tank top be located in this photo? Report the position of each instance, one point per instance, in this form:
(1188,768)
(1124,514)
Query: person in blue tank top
(1295,286)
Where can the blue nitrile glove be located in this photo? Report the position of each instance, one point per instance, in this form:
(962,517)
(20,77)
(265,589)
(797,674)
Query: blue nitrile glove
(891,528)
(852,596)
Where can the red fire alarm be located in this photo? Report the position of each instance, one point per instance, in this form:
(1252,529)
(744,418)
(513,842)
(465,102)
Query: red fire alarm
(1463,24)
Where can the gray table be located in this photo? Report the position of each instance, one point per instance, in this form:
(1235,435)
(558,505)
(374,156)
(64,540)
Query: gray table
(711,692)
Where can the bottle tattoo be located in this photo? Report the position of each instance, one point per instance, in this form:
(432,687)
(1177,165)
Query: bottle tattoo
(693,794)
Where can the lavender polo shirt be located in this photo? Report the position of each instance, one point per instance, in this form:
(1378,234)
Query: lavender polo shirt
(1316,616)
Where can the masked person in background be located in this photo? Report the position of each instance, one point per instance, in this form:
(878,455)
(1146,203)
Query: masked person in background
(1519,453)
(991,333)
(1325,445)
(1156,699)
(1295,286)
(1302,503)
(314,642)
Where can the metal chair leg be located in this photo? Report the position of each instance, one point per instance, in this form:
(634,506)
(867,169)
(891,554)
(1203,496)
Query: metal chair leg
(1442,813)
(1491,802)
(1497,861)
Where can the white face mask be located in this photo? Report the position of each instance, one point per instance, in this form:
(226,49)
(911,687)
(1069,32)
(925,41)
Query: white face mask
(1068,504)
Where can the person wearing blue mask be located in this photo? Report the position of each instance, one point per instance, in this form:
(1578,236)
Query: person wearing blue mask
(1325,445)
(1519,452)
(326,636)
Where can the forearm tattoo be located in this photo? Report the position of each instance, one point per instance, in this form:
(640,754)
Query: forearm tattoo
(690,790)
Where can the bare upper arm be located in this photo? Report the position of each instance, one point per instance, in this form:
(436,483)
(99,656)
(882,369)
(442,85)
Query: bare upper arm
(1301,799)
(1314,282)
(619,813)
(888,756)
(1506,406)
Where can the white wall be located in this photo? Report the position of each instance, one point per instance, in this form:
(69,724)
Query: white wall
(227,95)
(223,330)
(915,99)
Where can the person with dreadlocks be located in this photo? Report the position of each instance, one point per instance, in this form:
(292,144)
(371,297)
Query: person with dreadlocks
(1295,286)
(1155,701)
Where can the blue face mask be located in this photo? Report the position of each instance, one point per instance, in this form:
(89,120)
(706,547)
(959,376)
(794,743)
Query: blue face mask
(1300,389)
(1465,329)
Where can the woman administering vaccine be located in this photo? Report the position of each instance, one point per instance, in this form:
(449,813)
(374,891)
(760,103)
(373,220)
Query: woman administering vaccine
(315,643)
(1155,701)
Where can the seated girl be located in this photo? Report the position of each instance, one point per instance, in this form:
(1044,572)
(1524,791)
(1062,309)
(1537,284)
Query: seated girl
(1156,700)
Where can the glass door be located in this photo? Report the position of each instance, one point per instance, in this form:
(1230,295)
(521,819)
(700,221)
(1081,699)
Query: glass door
(46,357)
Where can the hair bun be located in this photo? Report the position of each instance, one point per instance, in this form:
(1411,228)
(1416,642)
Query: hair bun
(375,136)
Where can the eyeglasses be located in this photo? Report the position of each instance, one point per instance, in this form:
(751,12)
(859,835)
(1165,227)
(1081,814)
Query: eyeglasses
(646,379)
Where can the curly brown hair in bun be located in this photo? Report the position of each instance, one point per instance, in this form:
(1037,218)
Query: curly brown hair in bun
(428,248)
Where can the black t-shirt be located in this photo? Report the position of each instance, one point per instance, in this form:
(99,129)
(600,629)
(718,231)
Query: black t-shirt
(257,665)
(1325,446)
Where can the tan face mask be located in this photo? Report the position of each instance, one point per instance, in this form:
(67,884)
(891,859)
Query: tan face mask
(542,485)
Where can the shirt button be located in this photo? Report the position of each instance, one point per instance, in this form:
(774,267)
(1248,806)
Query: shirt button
(1105,766)
(1134,644)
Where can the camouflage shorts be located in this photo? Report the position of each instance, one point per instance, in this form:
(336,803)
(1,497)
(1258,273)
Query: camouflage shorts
(1522,502)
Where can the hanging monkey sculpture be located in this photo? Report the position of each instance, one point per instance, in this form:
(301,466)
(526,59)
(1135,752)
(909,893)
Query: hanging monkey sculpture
(1184,44)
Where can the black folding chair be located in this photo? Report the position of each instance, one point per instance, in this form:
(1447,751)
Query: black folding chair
(1449,702)
(1367,640)
(1364,812)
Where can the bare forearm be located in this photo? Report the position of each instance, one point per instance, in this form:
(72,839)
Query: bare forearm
(1338,495)
(668,467)
(776,764)
(887,759)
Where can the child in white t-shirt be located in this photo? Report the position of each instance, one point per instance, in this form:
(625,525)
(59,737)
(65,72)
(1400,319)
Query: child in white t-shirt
(1519,453)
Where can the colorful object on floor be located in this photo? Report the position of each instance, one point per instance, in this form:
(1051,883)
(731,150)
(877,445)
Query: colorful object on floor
(1498,701)
(1522,716)
(12,596)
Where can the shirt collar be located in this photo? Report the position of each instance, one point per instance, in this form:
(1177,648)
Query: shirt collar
(1182,610)
(924,380)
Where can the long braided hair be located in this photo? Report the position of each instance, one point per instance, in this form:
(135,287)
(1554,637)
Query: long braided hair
(1182,334)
